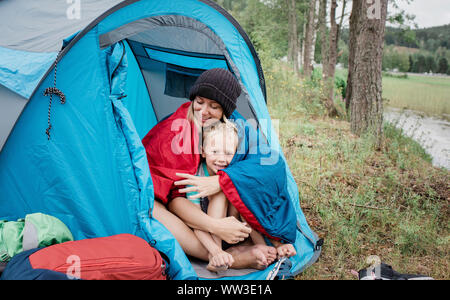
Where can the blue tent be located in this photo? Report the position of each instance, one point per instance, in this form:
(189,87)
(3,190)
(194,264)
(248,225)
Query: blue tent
(122,66)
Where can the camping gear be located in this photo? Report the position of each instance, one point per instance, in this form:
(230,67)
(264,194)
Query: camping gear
(120,67)
(384,271)
(35,230)
(119,257)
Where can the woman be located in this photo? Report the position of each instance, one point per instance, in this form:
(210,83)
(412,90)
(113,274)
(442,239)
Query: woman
(173,153)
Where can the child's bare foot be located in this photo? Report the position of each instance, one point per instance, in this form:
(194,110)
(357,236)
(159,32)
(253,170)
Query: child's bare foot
(220,261)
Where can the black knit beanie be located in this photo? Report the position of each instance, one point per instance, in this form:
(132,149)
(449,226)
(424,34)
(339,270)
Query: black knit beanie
(218,85)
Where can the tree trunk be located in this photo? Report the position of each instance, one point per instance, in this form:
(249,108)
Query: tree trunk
(356,8)
(323,34)
(307,63)
(330,68)
(339,28)
(344,4)
(314,34)
(293,44)
(366,77)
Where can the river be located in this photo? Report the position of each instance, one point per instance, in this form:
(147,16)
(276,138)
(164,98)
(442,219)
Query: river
(432,133)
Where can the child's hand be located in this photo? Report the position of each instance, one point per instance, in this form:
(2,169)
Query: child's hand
(286,250)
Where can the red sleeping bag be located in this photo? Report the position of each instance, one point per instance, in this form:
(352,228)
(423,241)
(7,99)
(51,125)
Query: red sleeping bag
(172,147)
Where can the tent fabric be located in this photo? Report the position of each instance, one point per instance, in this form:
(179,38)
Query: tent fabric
(142,112)
(11,105)
(185,60)
(91,174)
(41,26)
(21,71)
(155,30)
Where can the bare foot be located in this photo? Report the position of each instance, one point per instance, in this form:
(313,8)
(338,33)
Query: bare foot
(255,257)
(269,252)
(220,261)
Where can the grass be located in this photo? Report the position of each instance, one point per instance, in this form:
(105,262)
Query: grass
(418,92)
(390,203)
(428,94)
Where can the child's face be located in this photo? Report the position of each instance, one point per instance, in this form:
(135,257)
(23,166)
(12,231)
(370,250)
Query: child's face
(218,152)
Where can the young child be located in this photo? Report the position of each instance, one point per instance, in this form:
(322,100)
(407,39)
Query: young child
(220,142)
(219,145)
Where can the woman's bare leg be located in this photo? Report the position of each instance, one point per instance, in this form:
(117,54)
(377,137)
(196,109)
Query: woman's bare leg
(244,256)
(182,233)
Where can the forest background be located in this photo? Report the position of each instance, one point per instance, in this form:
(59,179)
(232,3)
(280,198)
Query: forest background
(366,192)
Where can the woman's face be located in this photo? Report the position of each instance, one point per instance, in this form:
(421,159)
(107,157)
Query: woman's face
(206,109)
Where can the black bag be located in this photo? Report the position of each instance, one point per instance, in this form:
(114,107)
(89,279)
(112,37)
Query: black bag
(385,272)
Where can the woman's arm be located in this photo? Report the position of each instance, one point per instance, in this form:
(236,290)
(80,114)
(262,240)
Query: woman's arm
(205,186)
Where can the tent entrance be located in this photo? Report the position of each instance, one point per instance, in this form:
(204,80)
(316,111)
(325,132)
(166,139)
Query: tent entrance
(171,52)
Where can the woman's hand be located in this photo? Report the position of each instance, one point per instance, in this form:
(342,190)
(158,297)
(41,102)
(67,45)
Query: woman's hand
(204,186)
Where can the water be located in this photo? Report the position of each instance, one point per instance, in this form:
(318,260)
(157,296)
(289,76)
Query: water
(432,133)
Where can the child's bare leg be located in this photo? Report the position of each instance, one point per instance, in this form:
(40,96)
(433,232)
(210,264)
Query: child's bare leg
(219,260)
(217,208)
(233,212)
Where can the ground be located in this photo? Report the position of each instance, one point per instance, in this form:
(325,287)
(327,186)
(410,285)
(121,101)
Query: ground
(391,202)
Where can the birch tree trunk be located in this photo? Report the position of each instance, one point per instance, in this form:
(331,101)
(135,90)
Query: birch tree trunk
(307,63)
(323,34)
(368,26)
(293,43)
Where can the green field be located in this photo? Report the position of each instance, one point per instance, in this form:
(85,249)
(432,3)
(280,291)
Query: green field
(428,94)
(418,92)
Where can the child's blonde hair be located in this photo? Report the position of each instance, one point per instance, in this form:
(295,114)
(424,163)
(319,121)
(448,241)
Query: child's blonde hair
(226,130)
